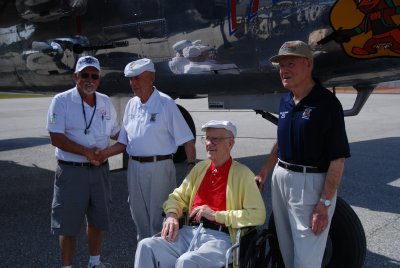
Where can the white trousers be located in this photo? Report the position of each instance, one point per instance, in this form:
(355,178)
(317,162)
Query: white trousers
(149,185)
(294,196)
(208,251)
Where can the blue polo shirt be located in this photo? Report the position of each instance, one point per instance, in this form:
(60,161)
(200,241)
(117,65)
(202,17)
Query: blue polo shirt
(312,133)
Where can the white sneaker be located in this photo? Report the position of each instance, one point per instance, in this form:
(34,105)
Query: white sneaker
(101,265)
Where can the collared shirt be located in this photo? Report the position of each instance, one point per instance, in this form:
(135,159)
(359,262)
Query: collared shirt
(212,190)
(177,64)
(156,127)
(65,115)
(312,133)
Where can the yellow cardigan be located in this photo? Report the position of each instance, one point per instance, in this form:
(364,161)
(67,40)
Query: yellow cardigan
(244,204)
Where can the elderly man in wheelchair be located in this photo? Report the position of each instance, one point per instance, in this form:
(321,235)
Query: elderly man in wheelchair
(219,190)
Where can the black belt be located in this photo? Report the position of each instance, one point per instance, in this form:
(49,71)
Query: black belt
(211,225)
(78,164)
(155,158)
(298,168)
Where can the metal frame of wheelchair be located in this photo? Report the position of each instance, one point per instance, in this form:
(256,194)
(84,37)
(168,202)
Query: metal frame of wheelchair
(256,248)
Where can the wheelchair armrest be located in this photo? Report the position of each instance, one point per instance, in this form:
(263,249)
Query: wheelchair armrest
(234,247)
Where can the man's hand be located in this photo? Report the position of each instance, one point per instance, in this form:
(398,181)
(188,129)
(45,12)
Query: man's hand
(170,228)
(260,182)
(203,211)
(319,219)
(95,156)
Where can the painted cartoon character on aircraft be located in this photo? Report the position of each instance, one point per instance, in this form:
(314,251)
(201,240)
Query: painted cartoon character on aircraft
(378,19)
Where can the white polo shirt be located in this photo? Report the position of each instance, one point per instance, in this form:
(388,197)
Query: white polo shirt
(154,128)
(177,64)
(65,115)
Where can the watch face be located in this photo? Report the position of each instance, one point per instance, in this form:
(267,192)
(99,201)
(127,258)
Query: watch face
(326,202)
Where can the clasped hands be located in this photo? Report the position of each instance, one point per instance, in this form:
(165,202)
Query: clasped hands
(95,156)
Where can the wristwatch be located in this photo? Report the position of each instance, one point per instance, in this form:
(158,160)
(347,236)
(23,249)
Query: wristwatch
(326,202)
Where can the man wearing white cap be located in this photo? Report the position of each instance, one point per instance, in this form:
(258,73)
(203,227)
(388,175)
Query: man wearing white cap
(218,189)
(198,63)
(80,122)
(308,159)
(153,128)
(177,63)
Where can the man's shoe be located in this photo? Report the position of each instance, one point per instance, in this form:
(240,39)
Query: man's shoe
(101,265)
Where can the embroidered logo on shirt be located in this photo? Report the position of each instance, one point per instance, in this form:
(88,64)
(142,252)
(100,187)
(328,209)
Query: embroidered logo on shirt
(53,118)
(153,117)
(307,113)
(283,114)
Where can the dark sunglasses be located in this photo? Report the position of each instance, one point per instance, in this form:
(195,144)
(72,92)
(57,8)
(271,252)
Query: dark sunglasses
(86,75)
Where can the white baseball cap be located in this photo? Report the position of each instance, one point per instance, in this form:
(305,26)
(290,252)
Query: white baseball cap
(220,124)
(87,61)
(137,67)
(191,52)
(181,45)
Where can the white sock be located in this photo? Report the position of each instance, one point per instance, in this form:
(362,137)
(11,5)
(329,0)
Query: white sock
(94,260)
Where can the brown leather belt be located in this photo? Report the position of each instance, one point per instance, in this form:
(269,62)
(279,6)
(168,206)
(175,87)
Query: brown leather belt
(79,164)
(147,159)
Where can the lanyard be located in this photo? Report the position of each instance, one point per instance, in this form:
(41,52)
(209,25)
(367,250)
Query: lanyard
(84,115)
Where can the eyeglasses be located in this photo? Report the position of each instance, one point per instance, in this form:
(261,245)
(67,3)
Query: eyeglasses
(213,140)
(86,75)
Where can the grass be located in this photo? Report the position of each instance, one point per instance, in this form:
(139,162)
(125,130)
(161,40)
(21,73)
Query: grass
(9,95)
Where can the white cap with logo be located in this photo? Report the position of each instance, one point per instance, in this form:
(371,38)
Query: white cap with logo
(87,61)
(220,124)
(137,67)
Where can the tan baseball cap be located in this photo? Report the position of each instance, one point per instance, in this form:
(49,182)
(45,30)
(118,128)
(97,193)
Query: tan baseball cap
(293,48)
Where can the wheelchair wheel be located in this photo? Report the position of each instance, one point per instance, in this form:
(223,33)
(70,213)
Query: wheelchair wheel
(256,250)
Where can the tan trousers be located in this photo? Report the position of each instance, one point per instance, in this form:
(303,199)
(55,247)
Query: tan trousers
(149,185)
(294,196)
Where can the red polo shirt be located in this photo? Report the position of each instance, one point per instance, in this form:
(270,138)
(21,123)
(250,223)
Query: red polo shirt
(212,190)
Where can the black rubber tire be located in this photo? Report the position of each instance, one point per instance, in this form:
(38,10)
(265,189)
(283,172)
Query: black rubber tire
(349,244)
(180,154)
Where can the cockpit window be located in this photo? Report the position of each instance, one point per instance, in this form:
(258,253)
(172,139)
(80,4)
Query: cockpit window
(48,10)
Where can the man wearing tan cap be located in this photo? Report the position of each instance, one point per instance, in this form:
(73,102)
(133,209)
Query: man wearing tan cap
(308,159)
(152,129)
(218,189)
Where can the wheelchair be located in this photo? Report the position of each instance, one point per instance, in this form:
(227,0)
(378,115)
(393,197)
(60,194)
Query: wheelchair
(257,247)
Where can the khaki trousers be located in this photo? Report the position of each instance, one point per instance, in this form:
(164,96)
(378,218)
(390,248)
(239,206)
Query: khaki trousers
(294,196)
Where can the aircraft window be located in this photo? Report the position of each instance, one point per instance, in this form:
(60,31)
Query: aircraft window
(48,10)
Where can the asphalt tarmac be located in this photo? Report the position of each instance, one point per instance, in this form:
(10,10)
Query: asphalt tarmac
(370,183)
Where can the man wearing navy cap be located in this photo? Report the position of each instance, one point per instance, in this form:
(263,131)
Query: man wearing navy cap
(80,122)
(218,189)
(308,159)
(153,128)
